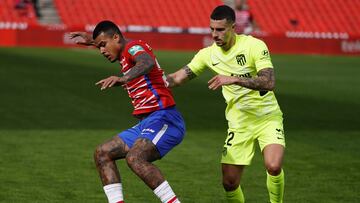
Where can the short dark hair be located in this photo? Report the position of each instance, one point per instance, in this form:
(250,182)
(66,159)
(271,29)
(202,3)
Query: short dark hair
(223,12)
(107,27)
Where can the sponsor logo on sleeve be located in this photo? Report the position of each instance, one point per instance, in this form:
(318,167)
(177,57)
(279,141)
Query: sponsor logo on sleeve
(135,49)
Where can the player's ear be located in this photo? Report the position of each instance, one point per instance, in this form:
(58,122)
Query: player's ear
(116,37)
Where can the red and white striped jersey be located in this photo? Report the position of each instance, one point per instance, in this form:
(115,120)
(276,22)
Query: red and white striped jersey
(148,92)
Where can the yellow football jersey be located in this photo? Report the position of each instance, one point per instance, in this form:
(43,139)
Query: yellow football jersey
(247,57)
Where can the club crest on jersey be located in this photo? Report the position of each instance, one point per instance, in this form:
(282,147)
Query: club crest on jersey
(240,59)
(135,49)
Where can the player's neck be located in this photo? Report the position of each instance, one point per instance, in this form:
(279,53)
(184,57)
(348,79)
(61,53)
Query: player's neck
(123,44)
(231,43)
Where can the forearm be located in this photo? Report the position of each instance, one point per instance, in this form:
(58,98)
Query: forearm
(258,83)
(265,80)
(180,77)
(86,38)
(173,81)
(136,71)
(143,66)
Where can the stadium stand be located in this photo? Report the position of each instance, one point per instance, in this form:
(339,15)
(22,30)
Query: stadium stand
(296,26)
(329,16)
(11,17)
(152,13)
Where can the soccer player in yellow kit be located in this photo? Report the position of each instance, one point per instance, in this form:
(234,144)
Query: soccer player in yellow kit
(245,73)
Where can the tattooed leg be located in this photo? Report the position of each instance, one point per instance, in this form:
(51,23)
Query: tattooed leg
(139,159)
(105,156)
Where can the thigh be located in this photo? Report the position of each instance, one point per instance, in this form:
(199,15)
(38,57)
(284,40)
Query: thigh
(162,133)
(130,135)
(238,148)
(165,129)
(270,131)
(115,148)
(232,171)
(144,149)
(273,155)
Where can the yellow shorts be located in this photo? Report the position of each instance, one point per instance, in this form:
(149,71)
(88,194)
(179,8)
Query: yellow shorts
(239,147)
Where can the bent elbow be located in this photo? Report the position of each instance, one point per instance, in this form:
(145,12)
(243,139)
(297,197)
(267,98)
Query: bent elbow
(268,86)
(271,86)
(151,65)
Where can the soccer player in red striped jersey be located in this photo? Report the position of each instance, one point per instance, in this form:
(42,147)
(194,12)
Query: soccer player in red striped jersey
(160,127)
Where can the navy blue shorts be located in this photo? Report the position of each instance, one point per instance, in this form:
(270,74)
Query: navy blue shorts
(165,128)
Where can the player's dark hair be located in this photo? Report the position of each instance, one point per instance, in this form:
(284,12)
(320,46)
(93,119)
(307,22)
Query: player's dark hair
(107,27)
(223,12)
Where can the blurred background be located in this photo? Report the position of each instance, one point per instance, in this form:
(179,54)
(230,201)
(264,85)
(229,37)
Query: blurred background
(52,116)
(298,26)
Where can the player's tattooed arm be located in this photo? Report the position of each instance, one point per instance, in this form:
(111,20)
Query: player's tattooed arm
(85,38)
(190,74)
(144,64)
(180,77)
(264,81)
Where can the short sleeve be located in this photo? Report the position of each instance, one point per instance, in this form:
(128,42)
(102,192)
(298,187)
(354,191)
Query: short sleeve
(198,63)
(135,50)
(261,55)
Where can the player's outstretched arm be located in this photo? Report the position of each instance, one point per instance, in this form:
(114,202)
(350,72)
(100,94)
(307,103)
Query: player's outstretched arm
(110,82)
(144,64)
(264,81)
(180,77)
(85,38)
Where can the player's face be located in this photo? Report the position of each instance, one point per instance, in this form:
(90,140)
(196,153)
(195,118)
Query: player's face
(109,46)
(222,32)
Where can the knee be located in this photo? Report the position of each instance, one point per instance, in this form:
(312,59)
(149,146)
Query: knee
(132,158)
(230,184)
(273,169)
(101,154)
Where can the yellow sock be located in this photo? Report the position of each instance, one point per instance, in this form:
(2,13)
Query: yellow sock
(235,196)
(275,185)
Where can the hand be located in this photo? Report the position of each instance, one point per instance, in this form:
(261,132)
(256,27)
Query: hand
(111,81)
(86,38)
(220,80)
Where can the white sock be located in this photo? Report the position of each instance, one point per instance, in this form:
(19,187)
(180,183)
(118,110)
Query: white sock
(165,193)
(114,192)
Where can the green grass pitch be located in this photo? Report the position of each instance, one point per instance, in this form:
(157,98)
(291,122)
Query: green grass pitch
(52,116)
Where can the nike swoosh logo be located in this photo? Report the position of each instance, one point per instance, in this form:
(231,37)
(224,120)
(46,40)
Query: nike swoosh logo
(214,64)
(280,138)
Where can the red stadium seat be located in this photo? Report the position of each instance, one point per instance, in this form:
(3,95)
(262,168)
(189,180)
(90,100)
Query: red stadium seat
(313,16)
(177,13)
(275,16)
(8,13)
